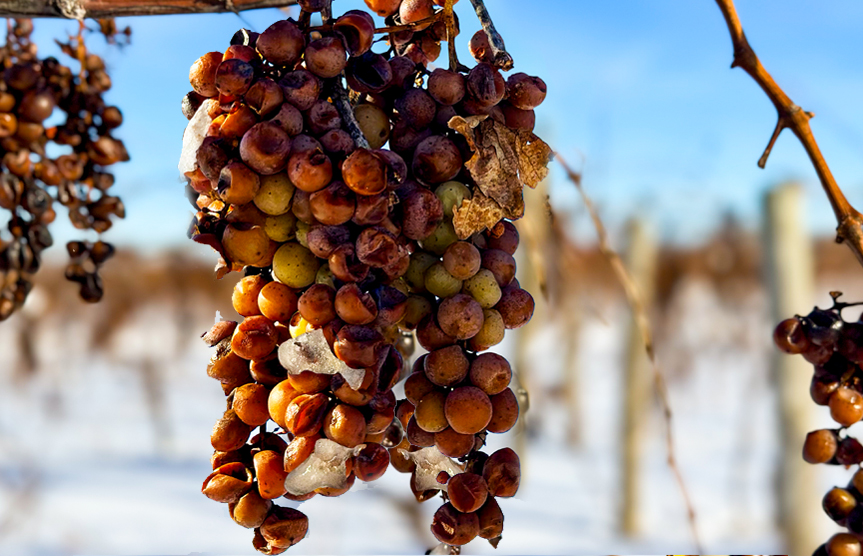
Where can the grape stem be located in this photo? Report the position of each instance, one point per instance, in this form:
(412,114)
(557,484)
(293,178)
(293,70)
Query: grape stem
(449,14)
(346,111)
(326,27)
(502,58)
(850,222)
(96,9)
(639,313)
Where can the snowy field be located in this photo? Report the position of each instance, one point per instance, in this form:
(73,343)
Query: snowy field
(83,469)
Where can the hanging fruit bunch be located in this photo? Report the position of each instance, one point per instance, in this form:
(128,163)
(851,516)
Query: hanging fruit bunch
(835,349)
(366,196)
(33,176)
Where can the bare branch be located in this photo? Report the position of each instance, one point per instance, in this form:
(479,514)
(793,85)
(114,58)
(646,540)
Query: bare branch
(791,116)
(79,9)
(502,58)
(639,313)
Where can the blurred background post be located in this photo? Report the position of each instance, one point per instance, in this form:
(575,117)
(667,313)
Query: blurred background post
(641,260)
(790,279)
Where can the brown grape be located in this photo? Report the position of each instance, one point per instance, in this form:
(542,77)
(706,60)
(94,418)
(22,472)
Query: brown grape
(460,316)
(468,409)
(502,473)
(245,296)
(462,260)
(429,413)
(467,492)
(417,436)
(346,425)
(504,411)
(281,43)
(254,338)
(317,304)
(453,444)
(371,463)
(277,302)
(516,308)
(446,366)
(453,527)
(250,404)
(846,406)
(820,446)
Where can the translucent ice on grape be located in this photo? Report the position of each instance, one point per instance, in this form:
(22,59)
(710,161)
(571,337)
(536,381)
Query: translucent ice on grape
(430,462)
(194,135)
(311,352)
(325,468)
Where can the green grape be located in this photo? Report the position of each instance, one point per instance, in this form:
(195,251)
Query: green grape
(274,196)
(441,283)
(302,233)
(483,287)
(295,266)
(491,333)
(416,309)
(401,285)
(441,238)
(451,194)
(325,276)
(281,228)
(415,275)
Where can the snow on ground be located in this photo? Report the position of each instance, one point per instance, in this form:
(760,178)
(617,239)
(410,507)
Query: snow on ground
(82,470)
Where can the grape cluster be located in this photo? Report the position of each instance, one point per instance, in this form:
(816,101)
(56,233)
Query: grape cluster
(835,348)
(33,176)
(348,249)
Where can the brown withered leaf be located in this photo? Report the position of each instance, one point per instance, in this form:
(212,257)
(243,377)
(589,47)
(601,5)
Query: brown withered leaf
(465,127)
(475,215)
(534,156)
(504,161)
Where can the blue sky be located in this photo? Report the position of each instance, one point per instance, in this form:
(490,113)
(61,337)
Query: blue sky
(642,90)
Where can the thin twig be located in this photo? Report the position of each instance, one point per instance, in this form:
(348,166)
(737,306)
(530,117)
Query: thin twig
(449,14)
(502,58)
(791,116)
(346,111)
(639,313)
(98,9)
(327,13)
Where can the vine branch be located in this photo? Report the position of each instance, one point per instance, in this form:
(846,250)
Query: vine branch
(97,9)
(850,222)
(346,111)
(502,58)
(639,313)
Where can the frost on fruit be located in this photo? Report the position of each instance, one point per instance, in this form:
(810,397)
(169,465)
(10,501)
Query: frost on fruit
(324,468)
(430,462)
(194,135)
(311,352)
(504,161)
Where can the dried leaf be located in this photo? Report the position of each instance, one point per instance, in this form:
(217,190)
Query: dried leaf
(465,126)
(475,215)
(503,162)
(534,155)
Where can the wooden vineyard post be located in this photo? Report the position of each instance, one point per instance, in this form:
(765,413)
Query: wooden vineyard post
(532,262)
(641,258)
(790,283)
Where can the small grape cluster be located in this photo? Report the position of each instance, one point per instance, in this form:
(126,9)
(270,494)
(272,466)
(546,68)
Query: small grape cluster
(348,249)
(30,90)
(835,348)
